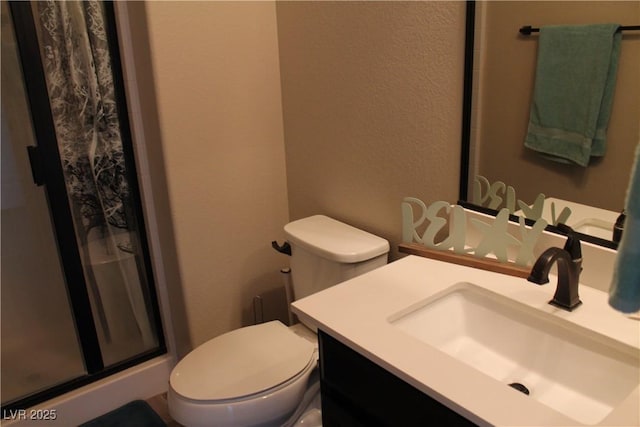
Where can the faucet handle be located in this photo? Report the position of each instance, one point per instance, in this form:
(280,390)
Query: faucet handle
(572,245)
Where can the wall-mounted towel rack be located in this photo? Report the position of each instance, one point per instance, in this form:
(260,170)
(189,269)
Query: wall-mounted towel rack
(528,29)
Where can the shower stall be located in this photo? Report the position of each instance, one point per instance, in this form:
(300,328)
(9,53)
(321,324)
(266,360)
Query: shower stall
(78,298)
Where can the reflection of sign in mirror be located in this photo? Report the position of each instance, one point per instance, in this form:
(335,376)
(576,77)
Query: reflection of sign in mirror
(493,195)
(495,236)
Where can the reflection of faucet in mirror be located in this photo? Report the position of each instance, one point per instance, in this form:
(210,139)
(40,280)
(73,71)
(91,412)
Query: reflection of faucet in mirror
(502,105)
(618,227)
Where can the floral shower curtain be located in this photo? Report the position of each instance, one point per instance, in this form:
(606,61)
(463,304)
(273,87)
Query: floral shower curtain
(77,65)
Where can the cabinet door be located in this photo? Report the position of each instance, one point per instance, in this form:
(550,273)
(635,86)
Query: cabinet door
(356,391)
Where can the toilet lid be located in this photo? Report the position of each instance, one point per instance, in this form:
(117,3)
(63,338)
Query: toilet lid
(242,362)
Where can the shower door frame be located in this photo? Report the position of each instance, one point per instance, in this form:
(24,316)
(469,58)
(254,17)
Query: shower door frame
(51,175)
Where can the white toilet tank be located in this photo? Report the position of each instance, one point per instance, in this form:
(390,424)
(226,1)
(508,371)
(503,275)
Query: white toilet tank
(325,252)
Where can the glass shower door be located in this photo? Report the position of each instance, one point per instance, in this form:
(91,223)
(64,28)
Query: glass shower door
(39,342)
(77,59)
(78,298)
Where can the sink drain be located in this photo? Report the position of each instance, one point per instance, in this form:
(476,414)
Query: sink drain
(520,387)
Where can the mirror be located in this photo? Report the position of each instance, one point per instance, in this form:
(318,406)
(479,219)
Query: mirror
(500,89)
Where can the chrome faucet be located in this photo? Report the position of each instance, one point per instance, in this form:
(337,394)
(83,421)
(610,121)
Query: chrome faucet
(569,261)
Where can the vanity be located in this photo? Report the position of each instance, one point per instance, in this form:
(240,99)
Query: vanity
(424,342)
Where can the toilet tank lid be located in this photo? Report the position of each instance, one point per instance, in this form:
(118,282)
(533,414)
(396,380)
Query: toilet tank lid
(335,240)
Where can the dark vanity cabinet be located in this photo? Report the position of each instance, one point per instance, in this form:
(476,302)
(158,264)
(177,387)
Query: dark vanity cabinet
(358,392)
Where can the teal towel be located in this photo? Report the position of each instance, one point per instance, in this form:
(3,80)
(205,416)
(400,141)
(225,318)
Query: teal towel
(573,94)
(624,294)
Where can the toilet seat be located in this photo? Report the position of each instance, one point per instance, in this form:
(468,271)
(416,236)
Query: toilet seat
(250,376)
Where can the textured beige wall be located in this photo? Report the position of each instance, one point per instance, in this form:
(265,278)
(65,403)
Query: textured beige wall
(508,72)
(372,101)
(217,90)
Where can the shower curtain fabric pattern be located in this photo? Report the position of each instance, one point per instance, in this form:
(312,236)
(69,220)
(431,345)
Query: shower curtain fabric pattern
(78,68)
(77,64)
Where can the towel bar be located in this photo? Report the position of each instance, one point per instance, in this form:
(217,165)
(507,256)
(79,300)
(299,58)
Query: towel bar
(528,29)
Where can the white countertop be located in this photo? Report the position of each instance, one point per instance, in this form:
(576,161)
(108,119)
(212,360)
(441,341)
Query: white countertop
(356,313)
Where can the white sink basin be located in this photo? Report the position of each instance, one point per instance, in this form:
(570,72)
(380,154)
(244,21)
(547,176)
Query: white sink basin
(571,369)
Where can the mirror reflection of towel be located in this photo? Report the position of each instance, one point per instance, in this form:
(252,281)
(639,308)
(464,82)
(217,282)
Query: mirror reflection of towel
(573,94)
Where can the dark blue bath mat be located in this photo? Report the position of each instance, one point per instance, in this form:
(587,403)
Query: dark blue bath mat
(135,414)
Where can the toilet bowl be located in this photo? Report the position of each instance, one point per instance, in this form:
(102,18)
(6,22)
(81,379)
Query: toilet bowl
(252,376)
(260,375)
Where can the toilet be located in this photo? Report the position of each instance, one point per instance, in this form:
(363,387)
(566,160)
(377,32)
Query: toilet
(265,375)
